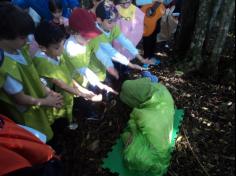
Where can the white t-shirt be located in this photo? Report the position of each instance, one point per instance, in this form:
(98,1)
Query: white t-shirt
(11,85)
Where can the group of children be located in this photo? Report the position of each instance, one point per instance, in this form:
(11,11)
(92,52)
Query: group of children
(52,52)
(40,87)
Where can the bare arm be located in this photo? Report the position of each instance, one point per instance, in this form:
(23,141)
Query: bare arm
(145,61)
(65,87)
(87,94)
(52,100)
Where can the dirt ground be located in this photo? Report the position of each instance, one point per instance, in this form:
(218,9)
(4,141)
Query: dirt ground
(205,145)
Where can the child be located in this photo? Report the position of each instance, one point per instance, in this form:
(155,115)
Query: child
(149,42)
(45,7)
(131,25)
(52,66)
(99,44)
(22,93)
(77,51)
(23,153)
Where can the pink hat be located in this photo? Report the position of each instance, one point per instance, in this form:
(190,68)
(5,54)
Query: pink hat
(82,21)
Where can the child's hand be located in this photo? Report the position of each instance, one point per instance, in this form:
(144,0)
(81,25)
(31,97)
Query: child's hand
(146,61)
(109,89)
(86,94)
(96,98)
(54,100)
(149,61)
(92,97)
(137,67)
(113,72)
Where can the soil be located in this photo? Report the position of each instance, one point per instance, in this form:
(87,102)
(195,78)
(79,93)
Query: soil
(204,146)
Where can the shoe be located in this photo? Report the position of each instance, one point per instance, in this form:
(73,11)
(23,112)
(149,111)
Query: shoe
(73,126)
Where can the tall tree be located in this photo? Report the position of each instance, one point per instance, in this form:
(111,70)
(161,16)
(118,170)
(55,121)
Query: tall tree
(204,28)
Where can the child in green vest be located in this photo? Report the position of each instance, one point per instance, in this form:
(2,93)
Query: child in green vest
(98,43)
(22,94)
(79,54)
(53,67)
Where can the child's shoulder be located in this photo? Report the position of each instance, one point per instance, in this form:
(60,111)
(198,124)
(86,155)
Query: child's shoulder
(95,42)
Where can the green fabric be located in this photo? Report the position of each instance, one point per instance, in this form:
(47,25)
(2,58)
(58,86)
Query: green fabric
(46,69)
(135,92)
(115,32)
(115,161)
(2,78)
(147,138)
(77,62)
(34,116)
(95,65)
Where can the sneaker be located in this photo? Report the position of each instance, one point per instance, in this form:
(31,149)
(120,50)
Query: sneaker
(73,126)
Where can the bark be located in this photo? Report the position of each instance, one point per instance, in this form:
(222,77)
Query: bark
(216,8)
(185,29)
(225,21)
(194,57)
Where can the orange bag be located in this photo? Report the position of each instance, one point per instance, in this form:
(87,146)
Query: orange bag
(19,148)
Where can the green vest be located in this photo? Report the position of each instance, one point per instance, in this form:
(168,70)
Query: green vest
(2,78)
(46,69)
(95,65)
(77,62)
(34,116)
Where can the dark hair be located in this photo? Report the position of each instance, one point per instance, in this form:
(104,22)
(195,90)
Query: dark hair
(48,33)
(106,10)
(100,11)
(14,22)
(55,5)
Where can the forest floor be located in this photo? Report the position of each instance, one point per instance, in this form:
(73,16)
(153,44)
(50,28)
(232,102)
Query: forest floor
(206,142)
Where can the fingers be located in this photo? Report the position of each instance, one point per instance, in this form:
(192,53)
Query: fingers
(113,72)
(97,98)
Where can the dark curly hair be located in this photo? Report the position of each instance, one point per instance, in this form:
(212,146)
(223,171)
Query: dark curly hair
(14,22)
(48,33)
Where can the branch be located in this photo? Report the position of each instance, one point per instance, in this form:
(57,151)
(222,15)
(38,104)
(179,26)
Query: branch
(196,157)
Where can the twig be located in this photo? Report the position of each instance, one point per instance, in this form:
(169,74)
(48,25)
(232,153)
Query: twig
(171,173)
(195,154)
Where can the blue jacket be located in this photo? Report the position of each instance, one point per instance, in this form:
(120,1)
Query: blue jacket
(41,7)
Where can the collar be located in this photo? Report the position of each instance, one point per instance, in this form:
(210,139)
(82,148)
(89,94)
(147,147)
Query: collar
(102,30)
(42,54)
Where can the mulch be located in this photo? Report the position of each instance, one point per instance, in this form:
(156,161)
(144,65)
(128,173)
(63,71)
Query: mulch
(205,145)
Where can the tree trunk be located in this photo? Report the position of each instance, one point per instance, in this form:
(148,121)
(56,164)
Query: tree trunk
(194,59)
(185,30)
(203,47)
(225,21)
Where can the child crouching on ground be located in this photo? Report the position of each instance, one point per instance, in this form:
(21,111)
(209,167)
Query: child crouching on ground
(22,94)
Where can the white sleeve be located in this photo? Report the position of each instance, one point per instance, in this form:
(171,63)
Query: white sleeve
(104,58)
(12,86)
(126,43)
(114,54)
(91,77)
